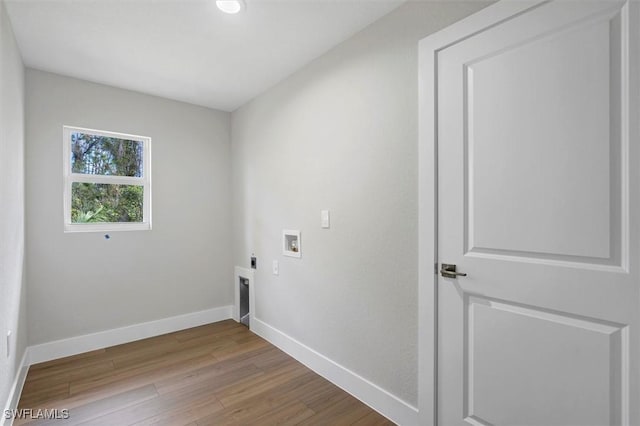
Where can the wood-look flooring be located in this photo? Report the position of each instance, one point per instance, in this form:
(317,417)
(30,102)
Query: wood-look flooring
(216,374)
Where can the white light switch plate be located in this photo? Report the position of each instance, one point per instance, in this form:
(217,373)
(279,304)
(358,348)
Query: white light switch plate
(8,343)
(275,267)
(324,218)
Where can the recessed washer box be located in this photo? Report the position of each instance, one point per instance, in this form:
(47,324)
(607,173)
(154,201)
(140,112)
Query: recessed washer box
(291,243)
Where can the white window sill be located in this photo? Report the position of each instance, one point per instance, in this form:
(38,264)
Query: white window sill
(106,227)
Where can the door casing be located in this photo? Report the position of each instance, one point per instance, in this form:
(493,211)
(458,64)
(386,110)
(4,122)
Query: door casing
(428,183)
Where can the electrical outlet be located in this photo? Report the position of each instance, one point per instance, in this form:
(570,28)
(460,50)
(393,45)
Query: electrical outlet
(8,343)
(275,267)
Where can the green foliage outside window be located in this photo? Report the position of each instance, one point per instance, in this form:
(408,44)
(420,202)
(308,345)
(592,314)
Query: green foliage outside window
(107,156)
(101,155)
(95,202)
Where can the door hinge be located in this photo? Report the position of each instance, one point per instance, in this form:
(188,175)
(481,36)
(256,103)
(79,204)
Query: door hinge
(435,268)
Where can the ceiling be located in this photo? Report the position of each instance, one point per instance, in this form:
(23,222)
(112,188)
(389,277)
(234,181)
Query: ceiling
(185,49)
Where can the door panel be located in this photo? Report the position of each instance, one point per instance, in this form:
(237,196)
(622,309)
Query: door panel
(550,124)
(522,357)
(537,203)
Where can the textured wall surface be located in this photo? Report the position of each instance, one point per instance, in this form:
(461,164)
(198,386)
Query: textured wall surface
(341,134)
(80,282)
(12,235)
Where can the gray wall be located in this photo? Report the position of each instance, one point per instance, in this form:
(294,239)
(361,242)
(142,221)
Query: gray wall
(80,282)
(341,134)
(12,241)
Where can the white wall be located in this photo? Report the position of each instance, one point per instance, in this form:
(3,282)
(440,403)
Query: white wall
(341,134)
(81,283)
(12,255)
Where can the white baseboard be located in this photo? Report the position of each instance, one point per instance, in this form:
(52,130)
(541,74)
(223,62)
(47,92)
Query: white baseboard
(103,339)
(374,396)
(16,389)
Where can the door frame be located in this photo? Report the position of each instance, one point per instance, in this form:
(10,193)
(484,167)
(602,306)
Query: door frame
(428,49)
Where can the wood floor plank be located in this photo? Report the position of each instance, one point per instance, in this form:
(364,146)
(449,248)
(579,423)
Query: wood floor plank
(113,388)
(54,391)
(40,371)
(215,374)
(373,419)
(68,360)
(231,351)
(324,398)
(242,391)
(180,417)
(139,373)
(343,411)
(113,403)
(68,375)
(101,407)
(208,372)
(213,329)
(290,414)
(259,404)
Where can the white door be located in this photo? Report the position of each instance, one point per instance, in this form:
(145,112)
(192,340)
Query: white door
(536,128)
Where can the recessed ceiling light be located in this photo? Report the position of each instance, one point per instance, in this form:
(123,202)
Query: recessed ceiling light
(230,6)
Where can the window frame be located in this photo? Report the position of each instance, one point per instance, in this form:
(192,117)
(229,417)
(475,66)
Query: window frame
(70,178)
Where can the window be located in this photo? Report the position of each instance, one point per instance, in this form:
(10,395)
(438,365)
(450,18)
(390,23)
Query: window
(107,181)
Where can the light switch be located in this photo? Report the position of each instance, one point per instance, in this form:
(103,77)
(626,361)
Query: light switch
(275,267)
(324,218)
